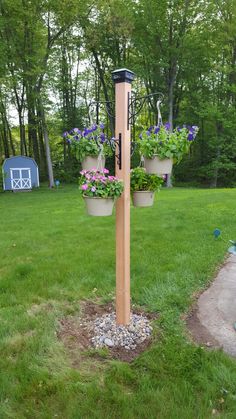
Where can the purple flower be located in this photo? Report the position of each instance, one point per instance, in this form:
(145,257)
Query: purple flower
(77,131)
(68,141)
(76,137)
(148,133)
(167,126)
(102,126)
(156,130)
(102,137)
(140,136)
(94,127)
(150,128)
(84,187)
(194,130)
(93,189)
(190,137)
(71,132)
(65,134)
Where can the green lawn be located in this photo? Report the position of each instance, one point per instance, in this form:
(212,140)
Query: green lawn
(53,256)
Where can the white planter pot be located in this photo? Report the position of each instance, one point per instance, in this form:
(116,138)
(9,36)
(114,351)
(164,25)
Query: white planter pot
(91,162)
(99,207)
(143,198)
(157,166)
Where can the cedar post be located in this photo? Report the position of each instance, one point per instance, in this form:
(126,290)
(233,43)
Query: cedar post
(122,79)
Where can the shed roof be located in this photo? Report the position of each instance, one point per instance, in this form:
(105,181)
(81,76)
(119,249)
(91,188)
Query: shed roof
(19,157)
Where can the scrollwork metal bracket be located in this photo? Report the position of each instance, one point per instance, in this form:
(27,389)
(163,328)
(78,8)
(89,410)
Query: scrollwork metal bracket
(116,145)
(136,103)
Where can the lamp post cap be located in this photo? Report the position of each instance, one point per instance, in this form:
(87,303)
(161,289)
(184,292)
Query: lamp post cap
(123,75)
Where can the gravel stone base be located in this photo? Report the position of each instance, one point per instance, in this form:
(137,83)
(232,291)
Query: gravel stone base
(106,333)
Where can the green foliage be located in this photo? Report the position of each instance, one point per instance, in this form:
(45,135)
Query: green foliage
(140,180)
(63,53)
(100,184)
(85,148)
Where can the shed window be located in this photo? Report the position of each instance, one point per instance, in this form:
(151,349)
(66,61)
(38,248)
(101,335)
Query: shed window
(15,174)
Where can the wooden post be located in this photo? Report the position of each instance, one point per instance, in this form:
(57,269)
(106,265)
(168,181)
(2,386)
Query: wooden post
(122,79)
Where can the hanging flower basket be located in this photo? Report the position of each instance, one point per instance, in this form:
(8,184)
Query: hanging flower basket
(90,146)
(143,198)
(158,166)
(99,207)
(93,162)
(99,191)
(162,147)
(143,187)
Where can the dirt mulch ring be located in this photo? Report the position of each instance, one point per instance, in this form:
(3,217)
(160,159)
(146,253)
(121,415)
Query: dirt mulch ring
(77,339)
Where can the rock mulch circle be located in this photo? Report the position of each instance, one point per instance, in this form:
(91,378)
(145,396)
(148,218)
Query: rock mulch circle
(106,333)
(96,328)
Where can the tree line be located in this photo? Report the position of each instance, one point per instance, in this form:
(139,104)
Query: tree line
(57,58)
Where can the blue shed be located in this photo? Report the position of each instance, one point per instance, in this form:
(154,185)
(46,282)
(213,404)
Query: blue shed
(20,173)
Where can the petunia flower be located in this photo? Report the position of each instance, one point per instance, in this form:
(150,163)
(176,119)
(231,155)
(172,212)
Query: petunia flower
(102,137)
(167,126)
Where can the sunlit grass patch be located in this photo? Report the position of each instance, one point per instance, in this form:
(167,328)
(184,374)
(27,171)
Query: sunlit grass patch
(53,256)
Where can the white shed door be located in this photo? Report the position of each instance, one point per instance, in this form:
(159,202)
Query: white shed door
(21,178)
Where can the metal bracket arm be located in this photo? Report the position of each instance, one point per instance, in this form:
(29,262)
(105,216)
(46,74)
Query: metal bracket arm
(116,145)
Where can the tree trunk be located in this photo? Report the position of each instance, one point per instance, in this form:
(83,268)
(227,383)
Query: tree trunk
(47,145)
(4,130)
(32,128)
(105,91)
(10,139)
(23,146)
(43,162)
(218,154)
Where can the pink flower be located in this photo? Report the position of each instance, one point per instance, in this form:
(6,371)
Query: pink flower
(84,187)
(105,171)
